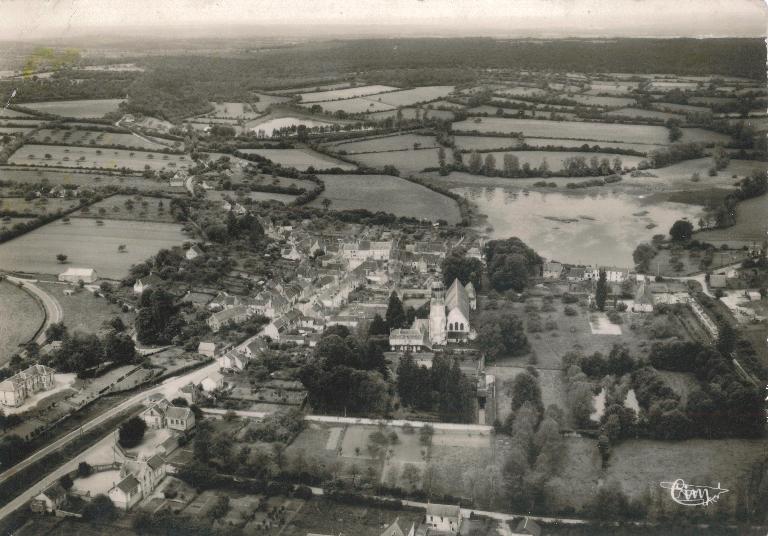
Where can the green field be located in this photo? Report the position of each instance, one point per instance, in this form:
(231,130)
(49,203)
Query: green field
(129,207)
(88,245)
(220,195)
(77,109)
(388,194)
(484,143)
(91,179)
(20,317)
(407,162)
(61,156)
(385,143)
(301,159)
(409,97)
(82,311)
(347,93)
(233,110)
(410,113)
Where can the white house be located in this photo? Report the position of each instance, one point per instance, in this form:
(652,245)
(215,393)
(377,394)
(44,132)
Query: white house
(180,419)
(234,360)
(15,390)
(145,283)
(444,517)
(49,499)
(74,275)
(552,270)
(126,493)
(207,349)
(212,382)
(193,252)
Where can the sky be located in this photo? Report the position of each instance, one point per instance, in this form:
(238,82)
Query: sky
(35,19)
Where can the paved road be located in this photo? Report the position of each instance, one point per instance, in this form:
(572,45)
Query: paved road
(53,312)
(168,388)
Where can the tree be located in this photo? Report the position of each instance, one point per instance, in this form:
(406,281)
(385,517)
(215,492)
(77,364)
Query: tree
(326,202)
(510,263)
(61,258)
(502,335)
(131,432)
(378,326)
(726,339)
(681,231)
(511,165)
(601,291)
(441,161)
(475,163)
(119,347)
(604,446)
(84,469)
(490,165)
(643,255)
(100,508)
(395,315)
(457,266)
(525,388)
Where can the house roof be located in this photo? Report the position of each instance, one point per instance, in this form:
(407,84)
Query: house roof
(456,298)
(155,462)
(394,529)
(175,412)
(128,485)
(444,510)
(55,491)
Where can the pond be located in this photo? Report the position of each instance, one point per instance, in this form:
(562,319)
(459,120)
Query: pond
(596,228)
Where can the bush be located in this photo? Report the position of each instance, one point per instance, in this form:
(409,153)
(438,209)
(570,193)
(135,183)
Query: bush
(303,492)
(569,298)
(569,311)
(621,306)
(131,432)
(615,317)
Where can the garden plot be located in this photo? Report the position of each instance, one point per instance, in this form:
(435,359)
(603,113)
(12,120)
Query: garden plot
(77,109)
(89,157)
(615,88)
(301,159)
(89,245)
(386,193)
(348,93)
(566,129)
(386,143)
(129,207)
(37,206)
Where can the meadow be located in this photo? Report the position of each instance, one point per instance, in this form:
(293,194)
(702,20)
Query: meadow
(682,108)
(406,162)
(484,143)
(522,92)
(220,195)
(399,142)
(619,88)
(37,206)
(409,97)
(560,142)
(128,207)
(750,223)
(8,112)
(77,109)
(88,245)
(389,194)
(81,310)
(20,317)
(12,130)
(564,129)
(643,114)
(301,159)
(93,137)
(348,93)
(66,156)
(591,100)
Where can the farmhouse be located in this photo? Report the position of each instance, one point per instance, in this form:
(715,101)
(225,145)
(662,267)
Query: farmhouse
(126,493)
(444,518)
(180,419)
(50,499)
(75,275)
(18,387)
(552,270)
(144,283)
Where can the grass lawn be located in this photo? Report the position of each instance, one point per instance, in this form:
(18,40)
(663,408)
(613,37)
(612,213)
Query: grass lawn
(82,311)
(78,109)
(20,318)
(88,244)
(386,193)
(455,458)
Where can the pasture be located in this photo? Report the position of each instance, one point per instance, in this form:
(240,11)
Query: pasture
(399,142)
(347,93)
(220,195)
(356,105)
(643,114)
(128,207)
(91,157)
(406,162)
(387,193)
(38,206)
(484,143)
(90,245)
(702,135)
(16,130)
(409,97)
(8,112)
(560,142)
(77,109)
(591,100)
(681,108)
(564,129)
(615,88)
(750,223)
(301,159)
(93,137)
(20,317)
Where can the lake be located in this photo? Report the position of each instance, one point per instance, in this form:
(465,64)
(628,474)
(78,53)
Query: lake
(600,227)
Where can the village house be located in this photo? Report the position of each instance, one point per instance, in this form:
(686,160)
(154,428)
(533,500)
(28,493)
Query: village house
(408,340)
(193,253)
(552,270)
(643,301)
(75,275)
(50,499)
(179,418)
(576,273)
(16,389)
(212,382)
(612,274)
(192,393)
(154,415)
(234,360)
(207,349)
(398,528)
(283,324)
(444,518)
(126,493)
(235,315)
(146,282)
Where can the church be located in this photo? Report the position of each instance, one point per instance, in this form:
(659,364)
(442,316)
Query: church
(449,312)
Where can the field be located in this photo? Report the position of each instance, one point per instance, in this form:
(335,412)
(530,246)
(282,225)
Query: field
(523,92)
(591,100)
(265,101)
(301,159)
(750,223)
(387,143)
(82,311)
(89,245)
(37,206)
(219,195)
(564,129)
(682,108)
(128,207)
(11,130)
(611,87)
(702,135)
(645,114)
(93,137)
(77,109)
(409,97)
(20,318)
(555,159)
(384,192)
(95,158)
(482,143)
(348,93)
(268,125)
(406,162)
(7,112)
(92,179)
